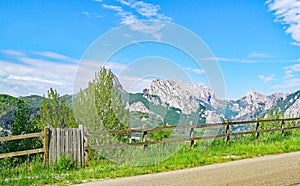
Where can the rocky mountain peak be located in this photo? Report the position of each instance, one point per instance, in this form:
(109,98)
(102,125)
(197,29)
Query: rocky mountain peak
(185,96)
(253,97)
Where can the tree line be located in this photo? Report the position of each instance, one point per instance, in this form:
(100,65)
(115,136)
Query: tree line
(98,107)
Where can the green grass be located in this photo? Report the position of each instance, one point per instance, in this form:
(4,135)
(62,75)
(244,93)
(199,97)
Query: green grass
(204,153)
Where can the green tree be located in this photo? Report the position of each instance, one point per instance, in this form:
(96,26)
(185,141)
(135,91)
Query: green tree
(100,107)
(160,134)
(54,111)
(275,114)
(23,124)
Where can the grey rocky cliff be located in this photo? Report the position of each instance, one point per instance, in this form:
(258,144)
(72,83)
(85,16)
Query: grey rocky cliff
(190,97)
(180,95)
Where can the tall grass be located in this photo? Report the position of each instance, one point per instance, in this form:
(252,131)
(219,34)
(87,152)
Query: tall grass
(35,173)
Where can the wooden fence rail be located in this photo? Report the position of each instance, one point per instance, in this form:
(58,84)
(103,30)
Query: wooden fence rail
(72,142)
(228,133)
(19,137)
(56,143)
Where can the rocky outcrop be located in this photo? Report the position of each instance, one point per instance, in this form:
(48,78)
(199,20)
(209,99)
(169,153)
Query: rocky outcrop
(293,110)
(255,104)
(184,96)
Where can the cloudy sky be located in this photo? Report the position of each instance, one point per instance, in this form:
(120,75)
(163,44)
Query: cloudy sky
(256,42)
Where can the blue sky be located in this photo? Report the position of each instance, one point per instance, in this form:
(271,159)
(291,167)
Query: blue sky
(256,42)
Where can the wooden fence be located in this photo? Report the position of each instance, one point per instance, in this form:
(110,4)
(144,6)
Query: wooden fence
(73,143)
(56,143)
(225,125)
(19,137)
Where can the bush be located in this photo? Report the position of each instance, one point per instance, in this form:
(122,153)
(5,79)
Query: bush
(64,163)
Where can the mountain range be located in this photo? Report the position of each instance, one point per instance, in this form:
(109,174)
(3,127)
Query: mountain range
(199,100)
(176,103)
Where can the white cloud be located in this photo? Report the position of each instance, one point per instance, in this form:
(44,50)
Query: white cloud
(87,68)
(13,53)
(290,70)
(231,60)
(28,78)
(266,79)
(287,12)
(237,60)
(87,14)
(290,83)
(259,55)
(197,71)
(47,54)
(134,84)
(35,76)
(112,7)
(296,43)
(291,77)
(147,10)
(141,12)
(94,65)
(57,56)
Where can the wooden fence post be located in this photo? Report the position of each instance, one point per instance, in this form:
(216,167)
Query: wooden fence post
(145,133)
(85,146)
(82,159)
(192,134)
(227,131)
(46,145)
(282,127)
(256,128)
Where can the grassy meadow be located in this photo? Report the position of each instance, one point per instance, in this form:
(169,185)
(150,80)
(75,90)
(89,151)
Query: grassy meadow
(33,172)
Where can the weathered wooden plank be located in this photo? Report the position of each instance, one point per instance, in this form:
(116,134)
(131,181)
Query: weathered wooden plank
(58,148)
(53,145)
(46,145)
(57,142)
(50,145)
(70,150)
(78,147)
(20,153)
(23,136)
(293,127)
(62,144)
(67,141)
(81,128)
(74,145)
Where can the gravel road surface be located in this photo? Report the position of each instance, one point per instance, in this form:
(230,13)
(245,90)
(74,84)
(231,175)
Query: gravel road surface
(283,169)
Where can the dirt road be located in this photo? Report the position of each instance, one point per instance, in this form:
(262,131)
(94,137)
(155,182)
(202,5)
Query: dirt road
(272,170)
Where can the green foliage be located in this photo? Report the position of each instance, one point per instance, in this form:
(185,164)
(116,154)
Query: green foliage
(54,111)
(138,119)
(160,134)
(138,97)
(100,107)
(7,109)
(33,173)
(64,163)
(272,114)
(23,124)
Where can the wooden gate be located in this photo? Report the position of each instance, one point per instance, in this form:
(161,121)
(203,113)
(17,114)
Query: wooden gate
(68,142)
